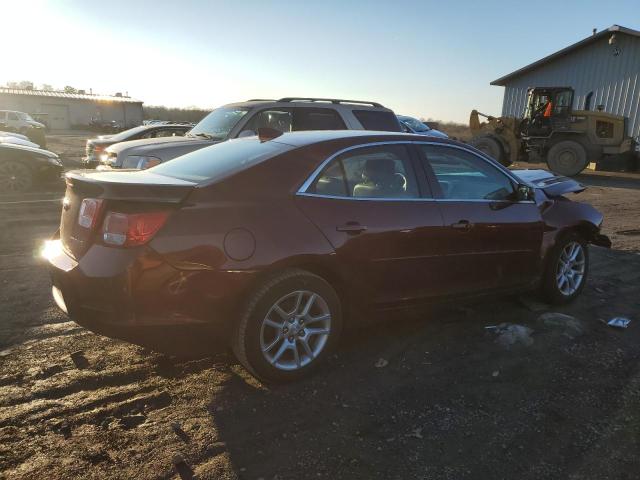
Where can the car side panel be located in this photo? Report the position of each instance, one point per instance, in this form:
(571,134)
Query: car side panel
(231,244)
(561,214)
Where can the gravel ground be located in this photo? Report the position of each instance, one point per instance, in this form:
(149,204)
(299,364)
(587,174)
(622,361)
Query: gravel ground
(429,395)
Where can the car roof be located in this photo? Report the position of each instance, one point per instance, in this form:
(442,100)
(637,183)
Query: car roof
(344,105)
(304,138)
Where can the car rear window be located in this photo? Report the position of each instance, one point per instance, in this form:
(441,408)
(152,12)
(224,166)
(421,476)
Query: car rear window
(378,120)
(221,160)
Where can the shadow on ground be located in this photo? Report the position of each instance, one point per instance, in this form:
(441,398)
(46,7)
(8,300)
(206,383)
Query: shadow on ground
(453,403)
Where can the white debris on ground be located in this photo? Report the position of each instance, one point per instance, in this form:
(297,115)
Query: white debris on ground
(381,363)
(510,335)
(568,325)
(619,322)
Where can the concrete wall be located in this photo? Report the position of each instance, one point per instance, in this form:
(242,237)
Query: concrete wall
(613,79)
(65,113)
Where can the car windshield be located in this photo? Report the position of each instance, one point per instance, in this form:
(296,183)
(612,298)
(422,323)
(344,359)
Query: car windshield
(221,160)
(218,124)
(414,124)
(128,133)
(24,116)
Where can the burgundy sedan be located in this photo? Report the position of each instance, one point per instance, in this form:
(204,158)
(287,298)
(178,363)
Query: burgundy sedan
(266,242)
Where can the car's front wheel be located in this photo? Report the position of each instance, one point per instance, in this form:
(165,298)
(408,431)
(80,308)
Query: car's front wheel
(290,324)
(567,269)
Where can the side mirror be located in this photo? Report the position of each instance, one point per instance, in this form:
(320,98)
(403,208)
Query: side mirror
(247,133)
(524,193)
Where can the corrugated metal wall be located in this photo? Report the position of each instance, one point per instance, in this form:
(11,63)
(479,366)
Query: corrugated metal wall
(614,80)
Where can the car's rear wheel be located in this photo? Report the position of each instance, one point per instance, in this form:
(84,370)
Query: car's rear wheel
(15,177)
(291,323)
(567,269)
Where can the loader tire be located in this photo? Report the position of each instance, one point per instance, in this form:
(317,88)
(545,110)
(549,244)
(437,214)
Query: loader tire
(491,147)
(567,157)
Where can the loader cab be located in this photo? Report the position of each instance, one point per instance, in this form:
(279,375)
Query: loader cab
(548,109)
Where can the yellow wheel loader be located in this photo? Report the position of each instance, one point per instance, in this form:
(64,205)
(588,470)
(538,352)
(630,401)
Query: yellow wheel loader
(550,130)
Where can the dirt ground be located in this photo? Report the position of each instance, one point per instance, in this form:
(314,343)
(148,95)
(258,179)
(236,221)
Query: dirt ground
(450,399)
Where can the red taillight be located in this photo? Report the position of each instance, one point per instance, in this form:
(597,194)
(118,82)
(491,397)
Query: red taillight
(98,148)
(89,212)
(131,229)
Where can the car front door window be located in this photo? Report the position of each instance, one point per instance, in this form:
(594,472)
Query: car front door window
(280,119)
(461,175)
(494,240)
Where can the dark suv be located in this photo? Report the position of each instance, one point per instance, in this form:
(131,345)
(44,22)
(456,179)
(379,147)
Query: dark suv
(245,118)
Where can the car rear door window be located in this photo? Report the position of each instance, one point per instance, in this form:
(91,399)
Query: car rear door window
(13,116)
(317,119)
(383,171)
(462,175)
(378,120)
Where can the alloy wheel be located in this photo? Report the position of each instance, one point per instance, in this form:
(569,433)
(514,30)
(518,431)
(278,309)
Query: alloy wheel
(570,269)
(295,330)
(14,177)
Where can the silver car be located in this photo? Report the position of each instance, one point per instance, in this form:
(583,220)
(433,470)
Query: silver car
(413,125)
(245,118)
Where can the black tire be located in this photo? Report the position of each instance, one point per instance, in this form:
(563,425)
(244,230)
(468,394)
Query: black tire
(247,337)
(550,289)
(567,157)
(15,177)
(491,147)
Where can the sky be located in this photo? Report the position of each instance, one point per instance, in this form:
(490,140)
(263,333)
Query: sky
(431,59)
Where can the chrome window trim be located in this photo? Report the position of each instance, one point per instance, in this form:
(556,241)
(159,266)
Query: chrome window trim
(305,186)
(409,199)
(302,191)
(378,199)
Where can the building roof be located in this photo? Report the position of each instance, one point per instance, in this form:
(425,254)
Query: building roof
(502,81)
(71,96)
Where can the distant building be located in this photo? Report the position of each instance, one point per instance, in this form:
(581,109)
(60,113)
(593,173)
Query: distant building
(63,111)
(603,69)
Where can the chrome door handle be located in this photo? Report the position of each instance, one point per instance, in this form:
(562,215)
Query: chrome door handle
(352,228)
(464,225)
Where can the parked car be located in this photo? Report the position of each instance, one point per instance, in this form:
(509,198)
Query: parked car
(23,167)
(267,241)
(244,119)
(17,138)
(413,125)
(21,122)
(96,146)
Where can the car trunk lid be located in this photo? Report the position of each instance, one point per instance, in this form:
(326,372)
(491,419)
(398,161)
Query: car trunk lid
(140,188)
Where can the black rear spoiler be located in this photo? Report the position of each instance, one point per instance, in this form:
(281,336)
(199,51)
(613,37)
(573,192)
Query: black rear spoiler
(553,185)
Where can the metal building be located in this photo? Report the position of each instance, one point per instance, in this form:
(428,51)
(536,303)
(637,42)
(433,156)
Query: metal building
(63,111)
(603,69)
